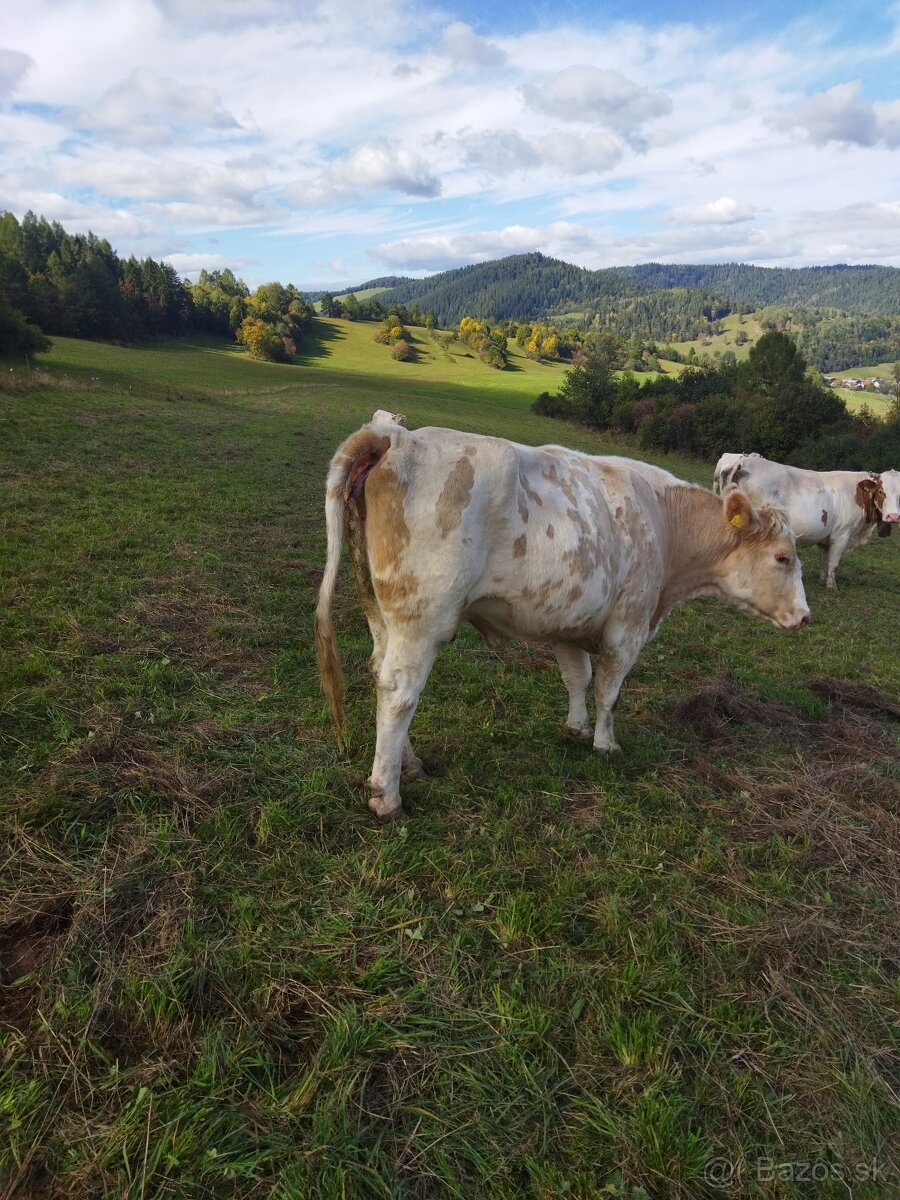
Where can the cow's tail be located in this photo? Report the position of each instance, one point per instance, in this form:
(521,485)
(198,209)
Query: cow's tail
(346,477)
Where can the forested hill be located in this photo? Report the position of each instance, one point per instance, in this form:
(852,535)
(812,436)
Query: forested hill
(523,285)
(530,286)
(842,316)
(868,289)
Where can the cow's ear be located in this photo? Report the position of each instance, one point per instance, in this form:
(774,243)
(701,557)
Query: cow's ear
(865,498)
(738,512)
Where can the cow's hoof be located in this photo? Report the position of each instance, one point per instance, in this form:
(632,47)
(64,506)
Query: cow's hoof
(413,770)
(384,810)
(610,748)
(571,734)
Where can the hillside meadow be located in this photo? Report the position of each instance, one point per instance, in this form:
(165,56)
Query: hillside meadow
(667,974)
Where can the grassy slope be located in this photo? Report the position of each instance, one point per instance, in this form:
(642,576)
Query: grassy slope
(879,404)
(221,978)
(726,340)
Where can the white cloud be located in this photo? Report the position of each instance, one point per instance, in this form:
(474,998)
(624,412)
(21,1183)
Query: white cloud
(175,213)
(143,176)
(385,165)
(377,166)
(505,150)
(148,108)
(221,12)
(842,116)
(602,97)
(464,46)
(190,265)
(724,211)
(442,251)
(13,66)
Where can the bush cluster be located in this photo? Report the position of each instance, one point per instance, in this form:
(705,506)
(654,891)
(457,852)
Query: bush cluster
(488,342)
(769,403)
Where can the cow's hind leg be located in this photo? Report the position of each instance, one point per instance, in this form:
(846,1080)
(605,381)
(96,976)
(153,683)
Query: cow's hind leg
(411,764)
(830,559)
(404,669)
(622,643)
(575,668)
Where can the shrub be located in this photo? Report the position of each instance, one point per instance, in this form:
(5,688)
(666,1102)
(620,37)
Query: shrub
(18,337)
(401,350)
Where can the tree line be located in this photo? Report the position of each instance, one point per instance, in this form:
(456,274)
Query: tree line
(75,285)
(865,289)
(769,403)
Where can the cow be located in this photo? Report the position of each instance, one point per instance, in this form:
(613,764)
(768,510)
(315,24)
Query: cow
(834,510)
(544,544)
(728,466)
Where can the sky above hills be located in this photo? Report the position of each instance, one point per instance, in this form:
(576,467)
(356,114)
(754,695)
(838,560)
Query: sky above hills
(324,142)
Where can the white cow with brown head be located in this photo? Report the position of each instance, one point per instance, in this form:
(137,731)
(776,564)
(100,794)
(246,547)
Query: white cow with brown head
(834,510)
(544,544)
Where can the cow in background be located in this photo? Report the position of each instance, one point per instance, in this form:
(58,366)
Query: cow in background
(544,544)
(834,510)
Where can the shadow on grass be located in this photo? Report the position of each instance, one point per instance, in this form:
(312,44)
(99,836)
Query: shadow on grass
(315,344)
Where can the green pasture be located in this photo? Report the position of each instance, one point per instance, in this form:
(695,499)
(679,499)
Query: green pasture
(726,340)
(879,405)
(562,976)
(363,293)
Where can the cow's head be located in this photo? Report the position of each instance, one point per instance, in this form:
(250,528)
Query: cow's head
(888,500)
(761,572)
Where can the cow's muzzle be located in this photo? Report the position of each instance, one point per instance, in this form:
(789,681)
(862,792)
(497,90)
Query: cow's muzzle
(798,620)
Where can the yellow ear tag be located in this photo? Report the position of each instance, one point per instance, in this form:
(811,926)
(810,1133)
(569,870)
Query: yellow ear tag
(737,521)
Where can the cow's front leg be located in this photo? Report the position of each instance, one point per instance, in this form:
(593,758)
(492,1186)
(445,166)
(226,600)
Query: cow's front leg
(402,675)
(621,646)
(575,668)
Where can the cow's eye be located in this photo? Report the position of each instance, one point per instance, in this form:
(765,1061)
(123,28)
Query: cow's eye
(784,559)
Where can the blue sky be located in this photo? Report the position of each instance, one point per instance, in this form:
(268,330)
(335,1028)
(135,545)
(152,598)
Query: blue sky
(331,141)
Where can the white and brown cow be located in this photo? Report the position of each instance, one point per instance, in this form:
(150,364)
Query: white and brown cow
(834,510)
(547,544)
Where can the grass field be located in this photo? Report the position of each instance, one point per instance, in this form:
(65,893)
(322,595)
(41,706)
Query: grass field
(721,342)
(562,977)
(879,404)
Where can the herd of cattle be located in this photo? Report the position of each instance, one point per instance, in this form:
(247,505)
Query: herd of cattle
(547,544)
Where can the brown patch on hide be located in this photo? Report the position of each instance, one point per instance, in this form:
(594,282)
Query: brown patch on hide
(824,516)
(551,532)
(399,595)
(519,546)
(867,498)
(454,497)
(387,534)
(529,491)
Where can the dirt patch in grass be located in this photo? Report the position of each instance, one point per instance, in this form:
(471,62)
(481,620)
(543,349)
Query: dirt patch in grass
(124,760)
(721,712)
(855,695)
(26,942)
(190,629)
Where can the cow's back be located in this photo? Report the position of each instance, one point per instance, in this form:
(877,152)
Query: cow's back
(817,503)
